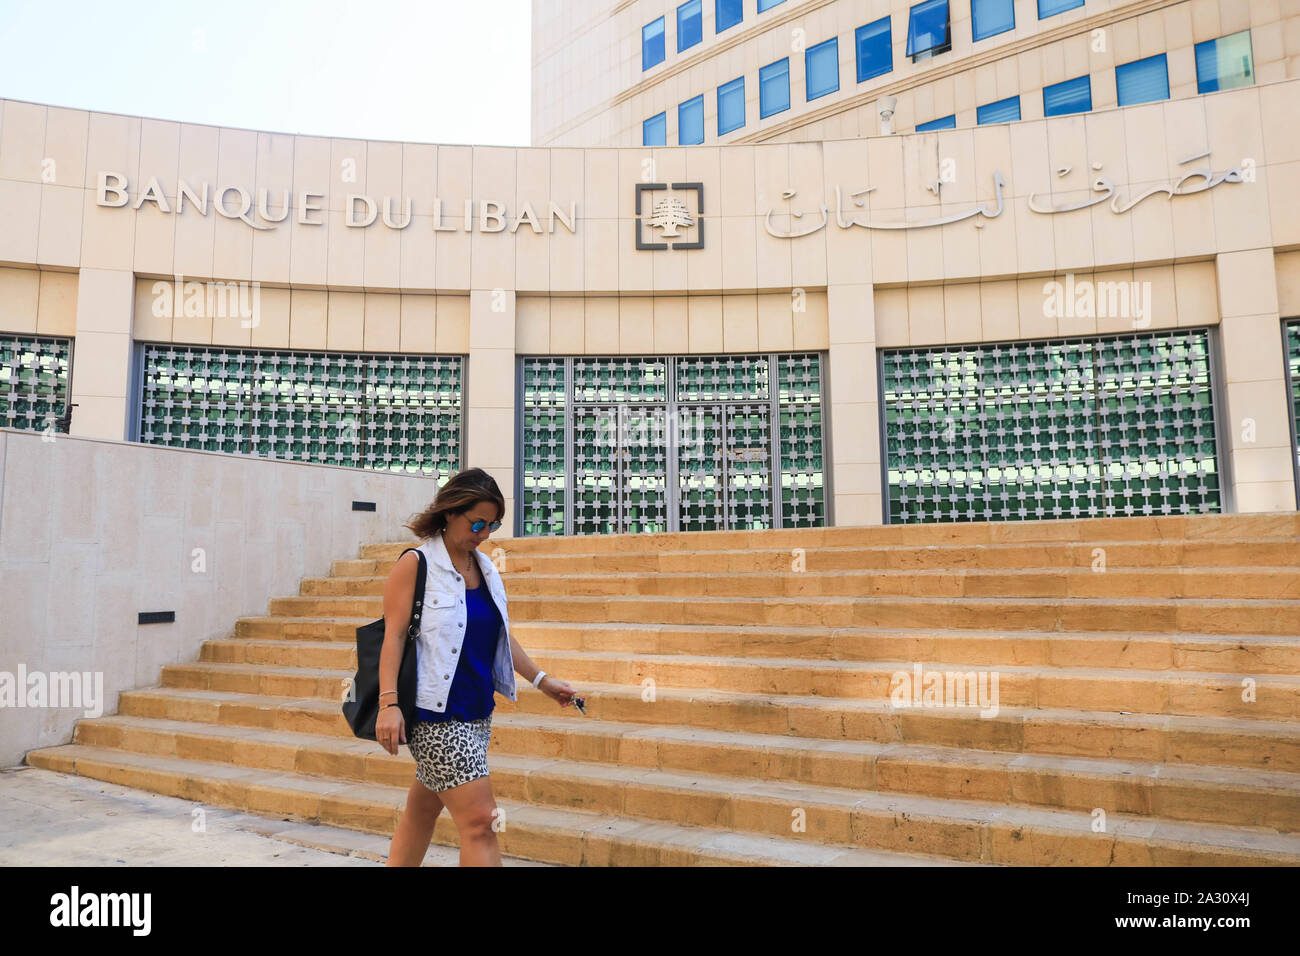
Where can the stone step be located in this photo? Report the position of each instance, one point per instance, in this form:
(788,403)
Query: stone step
(739,681)
(1169,740)
(561,835)
(1276,525)
(257,638)
(371,846)
(968,831)
(1199,794)
(1261,553)
(1195,583)
(1273,697)
(1166,738)
(289,627)
(333,655)
(1248,654)
(1276,618)
(318,682)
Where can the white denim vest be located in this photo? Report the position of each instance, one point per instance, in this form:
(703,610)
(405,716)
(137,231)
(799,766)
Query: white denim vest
(443,623)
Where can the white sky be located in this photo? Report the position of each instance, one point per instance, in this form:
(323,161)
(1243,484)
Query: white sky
(436,71)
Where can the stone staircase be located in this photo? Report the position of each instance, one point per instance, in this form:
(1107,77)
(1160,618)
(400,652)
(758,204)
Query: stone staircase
(741,708)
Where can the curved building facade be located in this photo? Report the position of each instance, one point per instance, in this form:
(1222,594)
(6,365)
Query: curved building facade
(823,315)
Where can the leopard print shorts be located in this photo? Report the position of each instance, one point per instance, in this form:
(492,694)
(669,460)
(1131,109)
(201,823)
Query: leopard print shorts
(449,752)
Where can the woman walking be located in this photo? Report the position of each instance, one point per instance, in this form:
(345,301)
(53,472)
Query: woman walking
(465,652)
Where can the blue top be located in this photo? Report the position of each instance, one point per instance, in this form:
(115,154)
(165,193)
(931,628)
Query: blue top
(472,689)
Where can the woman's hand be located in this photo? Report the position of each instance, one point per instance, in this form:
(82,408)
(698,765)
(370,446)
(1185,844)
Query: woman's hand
(557,690)
(390,728)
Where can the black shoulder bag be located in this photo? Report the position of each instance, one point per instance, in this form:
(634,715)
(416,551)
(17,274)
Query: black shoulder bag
(361,706)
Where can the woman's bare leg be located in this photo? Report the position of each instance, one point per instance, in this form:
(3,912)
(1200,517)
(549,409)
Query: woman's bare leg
(472,808)
(415,830)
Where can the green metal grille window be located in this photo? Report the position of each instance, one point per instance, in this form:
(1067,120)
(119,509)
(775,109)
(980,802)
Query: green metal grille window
(543,436)
(803,470)
(34,381)
(1103,426)
(671,443)
(1292,332)
(381,412)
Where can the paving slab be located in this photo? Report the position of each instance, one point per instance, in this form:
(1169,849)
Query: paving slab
(59,819)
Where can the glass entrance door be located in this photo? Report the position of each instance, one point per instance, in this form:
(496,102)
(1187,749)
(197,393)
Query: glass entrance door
(595,471)
(701,470)
(660,443)
(620,462)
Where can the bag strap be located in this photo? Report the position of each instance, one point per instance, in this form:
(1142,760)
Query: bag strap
(417,599)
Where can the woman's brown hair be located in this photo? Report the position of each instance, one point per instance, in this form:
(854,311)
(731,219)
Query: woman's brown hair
(462,491)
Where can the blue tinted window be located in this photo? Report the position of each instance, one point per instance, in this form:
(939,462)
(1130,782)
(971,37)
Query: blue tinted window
(774,88)
(731,105)
(821,64)
(652,44)
(991,17)
(727,13)
(767,4)
(654,131)
(875,56)
(1142,81)
(1072,96)
(1003,111)
(944,122)
(1050,8)
(690,121)
(927,28)
(690,24)
(1225,63)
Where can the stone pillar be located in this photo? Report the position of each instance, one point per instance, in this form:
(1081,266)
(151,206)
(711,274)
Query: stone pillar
(854,404)
(1258,434)
(101,353)
(491,392)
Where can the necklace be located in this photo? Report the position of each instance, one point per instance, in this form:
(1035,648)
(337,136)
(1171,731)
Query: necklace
(464,574)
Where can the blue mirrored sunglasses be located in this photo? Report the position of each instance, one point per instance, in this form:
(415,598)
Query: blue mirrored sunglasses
(478,526)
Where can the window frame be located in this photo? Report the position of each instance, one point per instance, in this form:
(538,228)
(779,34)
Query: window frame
(944,46)
(834,43)
(663,115)
(762,113)
(1001,102)
(889,47)
(732,83)
(1163,58)
(948,122)
(684,104)
(1250,45)
(976,36)
(663,39)
(717,18)
(1056,13)
(699,4)
(1053,86)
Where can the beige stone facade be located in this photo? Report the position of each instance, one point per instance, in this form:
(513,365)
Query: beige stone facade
(589,88)
(533,251)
